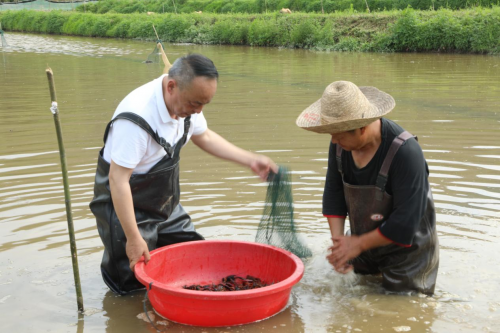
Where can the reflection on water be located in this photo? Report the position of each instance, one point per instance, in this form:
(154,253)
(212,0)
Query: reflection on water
(449,101)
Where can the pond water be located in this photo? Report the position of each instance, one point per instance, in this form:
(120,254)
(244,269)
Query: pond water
(450,101)
(42,5)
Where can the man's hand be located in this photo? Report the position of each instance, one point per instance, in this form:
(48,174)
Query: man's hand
(262,165)
(344,249)
(136,248)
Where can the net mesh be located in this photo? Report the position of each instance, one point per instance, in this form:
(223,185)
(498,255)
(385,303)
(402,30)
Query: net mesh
(277,226)
(155,56)
(4,42)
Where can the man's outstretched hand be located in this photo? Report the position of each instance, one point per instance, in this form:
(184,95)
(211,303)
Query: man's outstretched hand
(262,165)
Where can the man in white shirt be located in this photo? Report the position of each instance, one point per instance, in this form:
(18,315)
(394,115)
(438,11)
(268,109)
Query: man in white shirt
(136,192)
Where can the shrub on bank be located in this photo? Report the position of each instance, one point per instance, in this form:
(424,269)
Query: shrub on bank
(476,30)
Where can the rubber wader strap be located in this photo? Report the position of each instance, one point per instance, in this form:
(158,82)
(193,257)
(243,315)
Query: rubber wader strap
(339,158)
(384,170)
(187,124)
(146,299)
(139,121)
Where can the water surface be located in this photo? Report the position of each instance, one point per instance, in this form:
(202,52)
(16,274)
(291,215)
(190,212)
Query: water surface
(450,101)
(42,5)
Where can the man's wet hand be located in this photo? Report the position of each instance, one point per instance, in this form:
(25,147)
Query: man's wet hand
(262,165)
(136,248)
(344,249)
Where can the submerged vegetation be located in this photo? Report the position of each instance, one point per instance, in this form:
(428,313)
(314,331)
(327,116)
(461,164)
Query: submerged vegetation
(472,30)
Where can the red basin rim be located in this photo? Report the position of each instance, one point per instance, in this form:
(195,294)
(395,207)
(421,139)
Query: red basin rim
(225,295)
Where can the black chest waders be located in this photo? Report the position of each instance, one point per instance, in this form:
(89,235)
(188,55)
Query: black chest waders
(160,217)
(412,268)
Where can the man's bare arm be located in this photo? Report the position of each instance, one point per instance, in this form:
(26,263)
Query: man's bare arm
(121,195)
(336,226)
(216,145)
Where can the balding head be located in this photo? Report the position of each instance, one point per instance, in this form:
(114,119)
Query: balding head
(186,68)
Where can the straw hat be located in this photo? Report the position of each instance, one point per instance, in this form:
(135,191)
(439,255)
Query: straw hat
(344,107)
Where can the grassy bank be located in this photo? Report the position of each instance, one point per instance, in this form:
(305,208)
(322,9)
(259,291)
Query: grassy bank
(263,6)
(468,31)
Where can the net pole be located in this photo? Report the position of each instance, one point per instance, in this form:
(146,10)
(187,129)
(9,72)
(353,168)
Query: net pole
(4,45)
(3,56)
(163,55)
(157,38)
(165,59)
(67,198)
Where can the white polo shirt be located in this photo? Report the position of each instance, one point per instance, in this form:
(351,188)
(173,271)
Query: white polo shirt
(130,146)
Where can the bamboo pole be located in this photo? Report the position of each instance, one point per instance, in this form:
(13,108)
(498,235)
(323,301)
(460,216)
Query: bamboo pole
(368,8)
(67,198)
(157,37)
(3,43)
(163,55)
(165,59)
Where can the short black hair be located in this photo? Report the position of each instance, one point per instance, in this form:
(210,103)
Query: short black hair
(186,68)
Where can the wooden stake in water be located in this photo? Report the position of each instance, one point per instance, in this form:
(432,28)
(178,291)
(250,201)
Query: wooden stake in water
(67,199)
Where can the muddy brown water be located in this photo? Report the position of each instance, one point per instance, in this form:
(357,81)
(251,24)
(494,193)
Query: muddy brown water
(450,101)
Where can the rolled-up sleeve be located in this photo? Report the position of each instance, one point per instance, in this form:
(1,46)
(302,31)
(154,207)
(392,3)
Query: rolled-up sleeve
(200,124)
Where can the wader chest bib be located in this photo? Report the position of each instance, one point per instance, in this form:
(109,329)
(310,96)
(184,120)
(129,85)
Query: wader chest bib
(402,268)
(160,217)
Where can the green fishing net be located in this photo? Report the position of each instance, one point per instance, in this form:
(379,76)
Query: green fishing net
(155,56)
(4,42)
(277,226)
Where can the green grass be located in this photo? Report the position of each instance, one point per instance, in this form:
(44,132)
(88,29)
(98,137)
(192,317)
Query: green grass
(265,6)
(467,31)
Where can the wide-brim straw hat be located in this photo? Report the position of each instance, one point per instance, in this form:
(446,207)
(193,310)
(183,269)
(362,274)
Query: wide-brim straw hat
(344,107)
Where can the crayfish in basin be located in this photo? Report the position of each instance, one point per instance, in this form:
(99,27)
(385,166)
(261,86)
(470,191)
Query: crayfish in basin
(231,283)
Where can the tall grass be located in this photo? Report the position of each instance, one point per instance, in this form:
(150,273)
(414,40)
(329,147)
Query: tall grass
(471,31)
(265,6)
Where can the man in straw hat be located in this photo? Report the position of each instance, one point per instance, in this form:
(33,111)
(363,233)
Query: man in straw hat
(377,175)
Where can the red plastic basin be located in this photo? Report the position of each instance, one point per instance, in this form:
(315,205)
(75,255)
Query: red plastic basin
(204,262)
